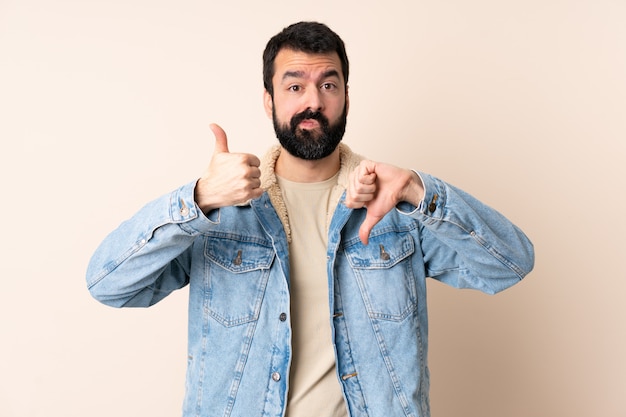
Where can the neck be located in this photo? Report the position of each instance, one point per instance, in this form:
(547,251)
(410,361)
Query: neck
(301,170)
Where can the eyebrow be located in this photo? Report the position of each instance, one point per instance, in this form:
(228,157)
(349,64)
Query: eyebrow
(300,74)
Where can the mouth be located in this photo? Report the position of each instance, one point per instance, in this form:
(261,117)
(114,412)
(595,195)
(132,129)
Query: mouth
(309,124)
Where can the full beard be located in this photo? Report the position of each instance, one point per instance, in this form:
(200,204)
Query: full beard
(309,144)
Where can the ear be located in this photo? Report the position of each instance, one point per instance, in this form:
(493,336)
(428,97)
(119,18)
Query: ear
(347,100)
(268,103)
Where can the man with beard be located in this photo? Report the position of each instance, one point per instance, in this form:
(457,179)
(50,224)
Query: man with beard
(307,269)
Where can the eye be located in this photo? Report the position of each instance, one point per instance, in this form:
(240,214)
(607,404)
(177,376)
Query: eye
(328,86)
(294,88)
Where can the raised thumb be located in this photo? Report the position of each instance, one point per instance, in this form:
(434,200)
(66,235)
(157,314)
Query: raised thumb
(221,142)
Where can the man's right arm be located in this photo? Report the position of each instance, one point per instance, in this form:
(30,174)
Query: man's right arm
(148,256)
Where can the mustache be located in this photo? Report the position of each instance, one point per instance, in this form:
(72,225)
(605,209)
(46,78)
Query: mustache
(309,114)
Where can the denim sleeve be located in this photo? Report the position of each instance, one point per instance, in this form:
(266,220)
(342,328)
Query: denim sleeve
(467,244)
(148,256)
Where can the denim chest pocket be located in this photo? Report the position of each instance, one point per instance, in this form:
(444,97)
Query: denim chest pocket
(384,274)
(237,274)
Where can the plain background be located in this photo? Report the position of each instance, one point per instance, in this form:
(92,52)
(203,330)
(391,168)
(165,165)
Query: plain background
(105,105)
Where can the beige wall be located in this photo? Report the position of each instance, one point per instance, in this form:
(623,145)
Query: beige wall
(106,104)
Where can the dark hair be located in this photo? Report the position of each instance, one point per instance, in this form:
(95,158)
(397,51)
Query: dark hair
(309,37)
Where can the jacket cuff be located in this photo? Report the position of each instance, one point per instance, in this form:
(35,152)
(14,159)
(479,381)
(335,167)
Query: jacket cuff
(433,202)
(185,211)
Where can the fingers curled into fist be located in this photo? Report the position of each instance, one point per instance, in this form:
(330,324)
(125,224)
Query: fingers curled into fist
(362,185)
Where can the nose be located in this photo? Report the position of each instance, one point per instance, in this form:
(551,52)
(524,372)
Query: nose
(313,99)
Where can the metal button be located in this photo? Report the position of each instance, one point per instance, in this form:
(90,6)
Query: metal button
(276,376)
(237,261)
(184,210)
(433,206)
(384,255)
(283,316)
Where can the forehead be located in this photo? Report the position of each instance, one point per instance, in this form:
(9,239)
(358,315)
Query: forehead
(310,65)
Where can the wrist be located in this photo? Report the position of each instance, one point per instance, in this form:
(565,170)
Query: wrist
(413,192)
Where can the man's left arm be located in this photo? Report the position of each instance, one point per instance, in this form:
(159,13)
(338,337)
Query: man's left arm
(466,243)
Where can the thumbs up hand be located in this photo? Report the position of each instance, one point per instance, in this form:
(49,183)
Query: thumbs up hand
(230,179)
(379,188)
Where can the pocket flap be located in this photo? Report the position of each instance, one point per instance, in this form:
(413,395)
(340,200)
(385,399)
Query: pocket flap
(382,252)
(240,255)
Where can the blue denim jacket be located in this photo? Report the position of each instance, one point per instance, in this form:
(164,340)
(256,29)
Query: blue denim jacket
(235,260)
